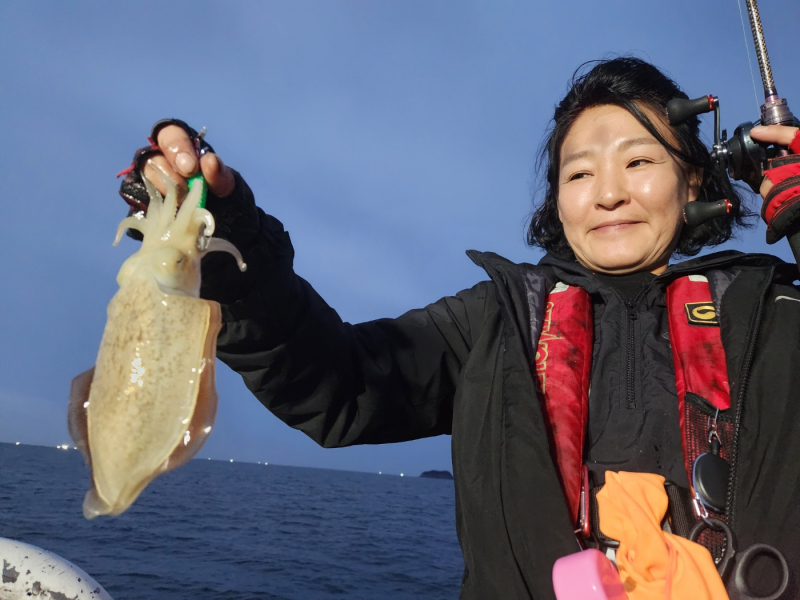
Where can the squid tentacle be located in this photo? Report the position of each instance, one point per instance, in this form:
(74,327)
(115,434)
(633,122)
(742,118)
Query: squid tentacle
(208,219)
(170,205)
(161,211)
(139,224)
(186,212)
(202,222)
(156,199)
(220,245)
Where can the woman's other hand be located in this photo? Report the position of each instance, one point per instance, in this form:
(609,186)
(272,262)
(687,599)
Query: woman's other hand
(782,135)
(781,186)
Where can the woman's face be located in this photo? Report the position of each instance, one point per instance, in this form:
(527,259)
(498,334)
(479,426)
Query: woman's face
(621,194)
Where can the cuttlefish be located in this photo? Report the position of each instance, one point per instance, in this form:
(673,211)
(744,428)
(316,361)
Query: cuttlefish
(149,403)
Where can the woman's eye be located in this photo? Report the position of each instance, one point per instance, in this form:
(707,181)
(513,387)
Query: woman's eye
(639,162)
(577,176)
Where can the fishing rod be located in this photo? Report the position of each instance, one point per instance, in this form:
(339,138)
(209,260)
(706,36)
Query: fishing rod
(741,156)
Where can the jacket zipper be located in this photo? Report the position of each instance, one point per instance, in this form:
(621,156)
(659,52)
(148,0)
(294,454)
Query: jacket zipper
(630,305)
(755,326)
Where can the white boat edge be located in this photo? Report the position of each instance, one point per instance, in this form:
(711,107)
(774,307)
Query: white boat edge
(31,572)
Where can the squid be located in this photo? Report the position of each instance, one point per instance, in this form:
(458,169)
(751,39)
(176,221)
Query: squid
(149,403)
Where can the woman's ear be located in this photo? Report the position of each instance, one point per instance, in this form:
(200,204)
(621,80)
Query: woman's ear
(694,176)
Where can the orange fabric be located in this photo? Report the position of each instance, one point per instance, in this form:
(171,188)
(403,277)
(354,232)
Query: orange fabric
(653,563)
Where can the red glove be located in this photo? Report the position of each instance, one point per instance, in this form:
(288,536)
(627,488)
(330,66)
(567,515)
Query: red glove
(781,208)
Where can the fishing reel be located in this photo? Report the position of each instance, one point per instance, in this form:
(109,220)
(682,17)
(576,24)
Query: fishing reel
(741,156)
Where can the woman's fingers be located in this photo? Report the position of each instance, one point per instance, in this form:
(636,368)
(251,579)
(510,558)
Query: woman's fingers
(157,166)
(219,178)
(782,135)
(774,134)
(178,148)
(179,153)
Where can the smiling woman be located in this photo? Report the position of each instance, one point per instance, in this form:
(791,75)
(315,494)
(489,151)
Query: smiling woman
(621,193)
(601,362)
(640,93)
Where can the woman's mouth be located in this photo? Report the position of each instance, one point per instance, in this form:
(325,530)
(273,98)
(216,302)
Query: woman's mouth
(614,226)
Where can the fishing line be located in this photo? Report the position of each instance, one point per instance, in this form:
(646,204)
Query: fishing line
(747,51)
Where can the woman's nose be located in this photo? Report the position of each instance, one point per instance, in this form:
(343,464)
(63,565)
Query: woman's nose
(612,191)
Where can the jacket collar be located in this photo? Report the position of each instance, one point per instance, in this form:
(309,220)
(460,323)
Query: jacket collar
(725,260)
(573,273)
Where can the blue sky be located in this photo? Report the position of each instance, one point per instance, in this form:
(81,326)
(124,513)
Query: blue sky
(389,137)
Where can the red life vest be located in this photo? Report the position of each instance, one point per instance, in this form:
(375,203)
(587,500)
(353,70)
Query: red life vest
(563,370)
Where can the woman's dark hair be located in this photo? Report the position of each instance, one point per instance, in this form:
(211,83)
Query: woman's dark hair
(632,84)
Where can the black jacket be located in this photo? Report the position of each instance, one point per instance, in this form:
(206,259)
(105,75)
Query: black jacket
(462,366)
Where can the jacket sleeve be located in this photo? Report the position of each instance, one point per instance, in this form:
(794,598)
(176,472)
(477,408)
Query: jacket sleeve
(388,380)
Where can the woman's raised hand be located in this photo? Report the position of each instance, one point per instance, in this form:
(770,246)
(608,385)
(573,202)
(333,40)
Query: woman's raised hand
(178,158)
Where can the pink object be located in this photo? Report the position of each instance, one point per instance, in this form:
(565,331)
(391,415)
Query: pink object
(587,575)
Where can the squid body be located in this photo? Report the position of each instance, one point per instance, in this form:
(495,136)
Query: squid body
(149,403)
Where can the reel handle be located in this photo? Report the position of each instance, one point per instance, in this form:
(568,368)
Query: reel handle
(679,109)
(695,213)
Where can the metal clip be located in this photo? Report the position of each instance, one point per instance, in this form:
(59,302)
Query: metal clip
(202,242)
(699,508)
(584,512)
(712,425)
(200,147)
(207,228)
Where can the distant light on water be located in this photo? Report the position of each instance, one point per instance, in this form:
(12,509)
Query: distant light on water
(231,460)
(17,444)
(64,446)
(401,475)
(380,472)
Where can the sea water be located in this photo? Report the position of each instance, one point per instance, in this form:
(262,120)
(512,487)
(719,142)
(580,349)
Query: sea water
(218,530)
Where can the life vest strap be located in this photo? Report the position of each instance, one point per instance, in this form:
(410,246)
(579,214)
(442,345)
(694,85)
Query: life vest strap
(563,371)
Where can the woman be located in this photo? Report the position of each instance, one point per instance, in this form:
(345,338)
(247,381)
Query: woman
(618,179)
